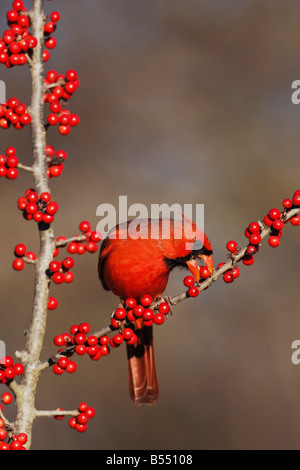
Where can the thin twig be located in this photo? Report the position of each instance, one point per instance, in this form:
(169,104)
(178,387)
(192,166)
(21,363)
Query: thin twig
(25,168)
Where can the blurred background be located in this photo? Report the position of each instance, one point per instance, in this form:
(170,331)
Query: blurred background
(188,102)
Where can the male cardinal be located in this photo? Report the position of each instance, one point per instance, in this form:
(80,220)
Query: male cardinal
(131,266)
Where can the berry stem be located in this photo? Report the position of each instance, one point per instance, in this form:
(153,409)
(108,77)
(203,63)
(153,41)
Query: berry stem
(58,412)
(25,168)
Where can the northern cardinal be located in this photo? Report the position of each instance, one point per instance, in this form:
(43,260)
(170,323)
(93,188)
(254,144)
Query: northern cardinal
(134,266)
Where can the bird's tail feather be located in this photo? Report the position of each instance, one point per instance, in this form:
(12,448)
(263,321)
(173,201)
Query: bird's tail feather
(143,383)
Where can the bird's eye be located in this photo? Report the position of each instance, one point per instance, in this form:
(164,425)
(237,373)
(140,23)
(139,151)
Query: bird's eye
(197,245)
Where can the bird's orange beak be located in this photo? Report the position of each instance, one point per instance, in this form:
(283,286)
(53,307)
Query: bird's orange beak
(195,268)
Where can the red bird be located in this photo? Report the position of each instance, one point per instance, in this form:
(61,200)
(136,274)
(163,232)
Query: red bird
(132,264)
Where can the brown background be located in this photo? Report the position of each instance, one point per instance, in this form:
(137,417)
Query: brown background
(189,102)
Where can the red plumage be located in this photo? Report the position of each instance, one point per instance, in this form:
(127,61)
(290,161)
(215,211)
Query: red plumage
(132,267)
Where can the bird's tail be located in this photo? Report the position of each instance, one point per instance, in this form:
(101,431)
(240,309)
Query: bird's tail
(143,383)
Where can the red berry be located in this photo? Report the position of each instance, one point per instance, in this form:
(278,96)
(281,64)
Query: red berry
(64,130)
(54,266)
(18,368)
(12,173)
(92,340)
(58,370)
(287,203)
(52,303)
(96,236)
(12,161)
(91,247)
(72,422)
(80,349)
(3,434)
(228,277)
(235,272)
(55,16)
(231,245)
(295,220)
(278,224)
(69,277)
(18,264)
(23,438)
(130,302)
(204,272)
(84,226)
(52,208)
(296,198)
(248,260)
(58,277)
(118,339)
(80,248)
(7,398)
(20,249)
(104,340)
(71,75)
(148,314)
(164,308)
(25,119)
(50,43)
(84,327)
(255,239)
(81,427)
(80,338)
(274,241)
(82,418)
(120,313)
(127,333)
(268,221)
(59,340)
(189,281)
(71,367)
(7,361)
(68,262)
(31,208)
(138,311)
(72,248)
(90,412)
(274,214)
(9,373)
(159,318)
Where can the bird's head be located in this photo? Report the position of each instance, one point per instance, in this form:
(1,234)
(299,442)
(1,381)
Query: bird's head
(190,245)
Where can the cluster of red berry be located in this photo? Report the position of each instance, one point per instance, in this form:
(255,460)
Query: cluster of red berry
(36,207)
(275,220)
(82,344)
(21,252)
(189,282)
(12,112)
(133,311)
(89,244)
(9,370)
(80,421)
(9,163)
(16,443)
(49,28)
(17,42)
(60,272)
(55,161)
(61,87)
